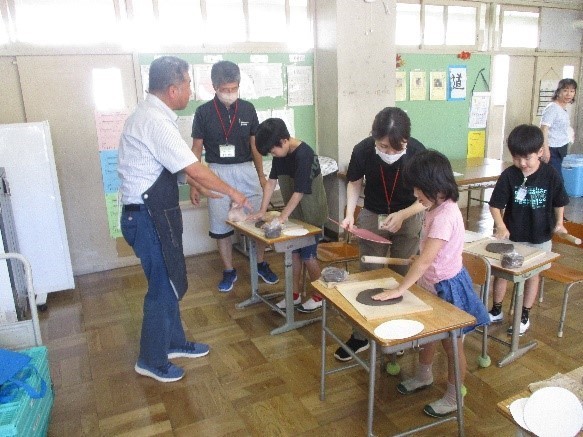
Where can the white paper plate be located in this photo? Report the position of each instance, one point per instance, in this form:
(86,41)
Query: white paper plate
(398,329)
(517,410)
(553,412)
(295,232)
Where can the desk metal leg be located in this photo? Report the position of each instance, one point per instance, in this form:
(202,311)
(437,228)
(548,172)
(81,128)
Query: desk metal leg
(515,351)
(323,349)
(371,384)
(290,323)
(254,281)
(458,384)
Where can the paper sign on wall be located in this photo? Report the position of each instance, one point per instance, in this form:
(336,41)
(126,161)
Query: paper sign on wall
(417,85)
(545,94)
(457,83)
(479,110)
(437,85)
(400,86)
(476,143)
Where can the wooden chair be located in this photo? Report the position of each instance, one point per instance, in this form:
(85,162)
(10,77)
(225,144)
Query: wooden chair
(344,251)
(565,275)
(479,269)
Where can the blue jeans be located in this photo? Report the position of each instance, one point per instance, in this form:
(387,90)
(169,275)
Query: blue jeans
(161,326)
(556,161)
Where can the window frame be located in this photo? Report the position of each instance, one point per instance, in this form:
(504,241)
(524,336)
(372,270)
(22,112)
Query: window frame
(500,25)
(441,47)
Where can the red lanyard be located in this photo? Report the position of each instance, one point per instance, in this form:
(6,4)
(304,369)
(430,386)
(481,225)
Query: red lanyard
(385,187)
(232,121)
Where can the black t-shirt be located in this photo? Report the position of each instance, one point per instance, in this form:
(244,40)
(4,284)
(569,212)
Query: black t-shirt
(301,165)
(364,162)
(532,219)
(207,125)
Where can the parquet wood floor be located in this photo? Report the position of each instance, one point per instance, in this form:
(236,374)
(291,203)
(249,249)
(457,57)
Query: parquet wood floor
(255,384)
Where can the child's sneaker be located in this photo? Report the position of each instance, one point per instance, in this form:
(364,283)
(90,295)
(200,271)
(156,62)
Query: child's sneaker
(440,408)
(266,273)
(496,315)
(229,278)
(297,301)
(310,305)
(413,385)
(523,327)
(355,345)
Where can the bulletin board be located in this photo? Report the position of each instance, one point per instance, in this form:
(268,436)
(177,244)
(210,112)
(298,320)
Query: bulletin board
(278,84)
(286,99)
(441,124)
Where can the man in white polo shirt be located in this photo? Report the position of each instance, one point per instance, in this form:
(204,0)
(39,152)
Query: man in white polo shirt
(151,153)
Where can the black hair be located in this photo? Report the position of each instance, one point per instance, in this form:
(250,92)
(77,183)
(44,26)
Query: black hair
(269,135)
(166,71)
(430,172)
(525,139)
(564,83)
(223,72)
(393,123)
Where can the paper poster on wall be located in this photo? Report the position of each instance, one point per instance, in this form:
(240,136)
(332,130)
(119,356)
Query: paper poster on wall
(476,143)
(261,80)
(479,110)
(287,115)
(417,85)
(109,126)
(457,83)
(437,85)
(203,85)
(184,123)
(545,94)
(112,204)
(300,85)
(400,86)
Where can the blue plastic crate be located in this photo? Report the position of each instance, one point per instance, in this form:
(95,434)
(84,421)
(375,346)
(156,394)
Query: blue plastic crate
(25,416)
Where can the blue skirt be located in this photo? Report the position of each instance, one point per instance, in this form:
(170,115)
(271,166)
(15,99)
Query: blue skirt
(459,291)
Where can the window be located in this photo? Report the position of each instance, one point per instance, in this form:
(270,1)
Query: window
(152,25)
(226,21)
(180,22)
(451,25)
(519,28)
(408,29)
(70,22)
(267,20)
(461,26)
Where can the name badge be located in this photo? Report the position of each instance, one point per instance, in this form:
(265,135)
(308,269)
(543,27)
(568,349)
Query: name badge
(521,193)
(227,151)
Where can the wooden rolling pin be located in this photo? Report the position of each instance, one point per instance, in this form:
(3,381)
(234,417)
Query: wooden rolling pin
(385,260)
(569,237)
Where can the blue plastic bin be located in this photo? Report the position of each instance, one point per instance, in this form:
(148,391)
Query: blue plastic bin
(572,170)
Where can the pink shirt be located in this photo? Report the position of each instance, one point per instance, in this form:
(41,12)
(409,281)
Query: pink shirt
(444,223)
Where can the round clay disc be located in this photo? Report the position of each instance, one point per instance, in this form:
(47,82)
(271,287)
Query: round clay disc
(365,298)
(500,247)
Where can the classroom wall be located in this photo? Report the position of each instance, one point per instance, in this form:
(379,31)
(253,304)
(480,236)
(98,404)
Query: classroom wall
(354,78)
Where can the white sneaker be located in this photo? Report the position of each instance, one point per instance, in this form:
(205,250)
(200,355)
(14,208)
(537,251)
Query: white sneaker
(310,306)
(281,303)
(523,328)
(496,318)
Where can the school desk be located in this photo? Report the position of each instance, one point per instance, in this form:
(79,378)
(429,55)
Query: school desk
(518,276)
(443,321)
(286,244)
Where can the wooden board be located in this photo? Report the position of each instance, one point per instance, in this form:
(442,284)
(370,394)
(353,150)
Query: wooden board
(479,248)
(249,226)
(410,303)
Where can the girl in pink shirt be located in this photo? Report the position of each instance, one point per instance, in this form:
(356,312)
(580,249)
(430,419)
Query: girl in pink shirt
(438,268)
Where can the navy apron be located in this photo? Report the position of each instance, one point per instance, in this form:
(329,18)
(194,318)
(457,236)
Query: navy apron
(161,199)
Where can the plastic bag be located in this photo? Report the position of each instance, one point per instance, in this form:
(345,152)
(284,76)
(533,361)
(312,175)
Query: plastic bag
(512,260)
(237,214)
(272,229)
(334,274)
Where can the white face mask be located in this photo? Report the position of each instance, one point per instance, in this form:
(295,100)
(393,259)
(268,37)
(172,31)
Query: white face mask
(388,158)
(227,98)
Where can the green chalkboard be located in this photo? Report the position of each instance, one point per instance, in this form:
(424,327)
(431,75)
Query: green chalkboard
(443,124)
(304,115)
